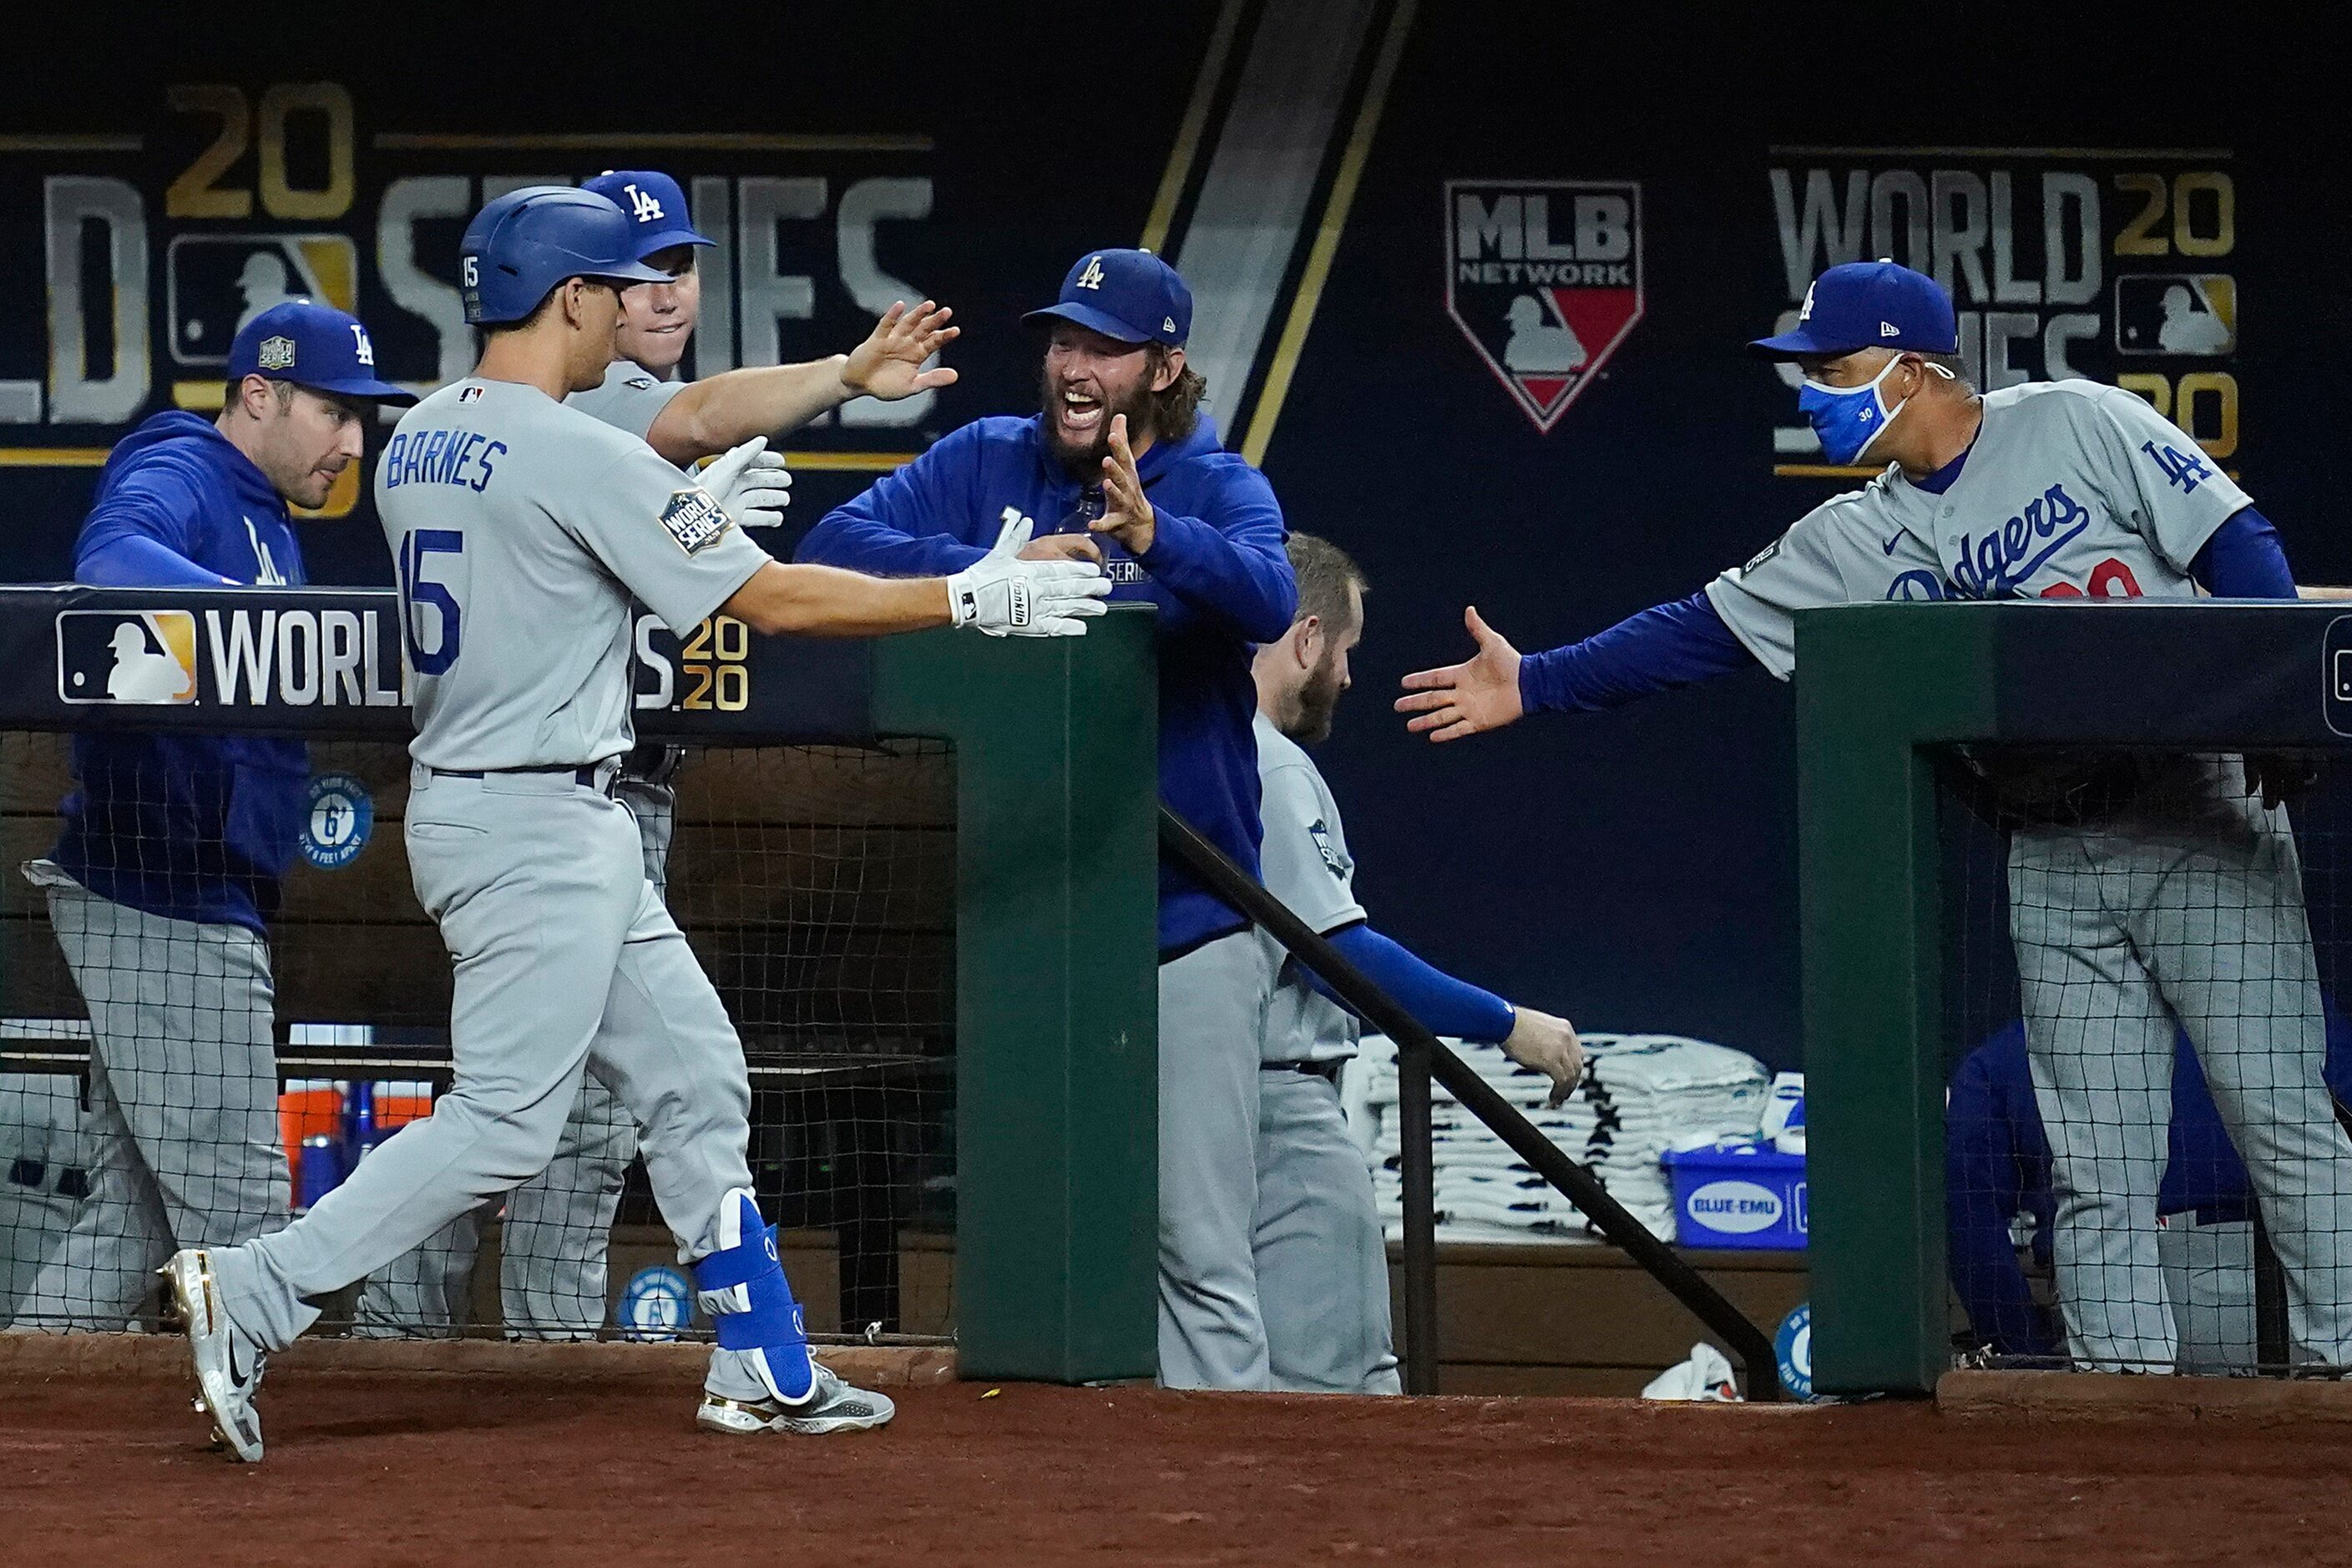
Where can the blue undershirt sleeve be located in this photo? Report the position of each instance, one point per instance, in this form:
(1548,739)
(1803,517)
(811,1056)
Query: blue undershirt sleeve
(1663,647)
(2242,559)
(135,561)
(1441,1003)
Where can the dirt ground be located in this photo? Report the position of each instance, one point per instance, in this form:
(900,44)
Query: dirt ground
(451,1469)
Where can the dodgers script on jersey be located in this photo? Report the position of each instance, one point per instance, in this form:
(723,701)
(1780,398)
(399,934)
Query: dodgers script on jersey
(1307,866)
(630,397)
(2071,489)
(520,528)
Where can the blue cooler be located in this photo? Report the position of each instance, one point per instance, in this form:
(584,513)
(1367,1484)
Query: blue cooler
(1740,1195)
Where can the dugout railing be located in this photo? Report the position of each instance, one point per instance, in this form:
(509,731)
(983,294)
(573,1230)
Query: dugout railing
(1054,1018)
(1902,711)
(1421,1057)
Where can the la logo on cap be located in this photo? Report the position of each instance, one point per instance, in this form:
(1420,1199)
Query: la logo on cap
(1092,277)
(276,354)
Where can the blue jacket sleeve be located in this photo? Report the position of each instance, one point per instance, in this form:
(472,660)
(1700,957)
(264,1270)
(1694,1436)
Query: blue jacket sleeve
(1235,569)
(142,533)
(134,561)
(2242,559)
(1984,1168)
(906,524)
(1441,1003)
(1657,650)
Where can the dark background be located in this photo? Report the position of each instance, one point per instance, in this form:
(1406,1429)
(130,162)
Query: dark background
(1635,870)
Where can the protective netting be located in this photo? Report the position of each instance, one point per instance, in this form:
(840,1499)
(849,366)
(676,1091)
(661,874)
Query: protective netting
(2147,1169)
(181,1077)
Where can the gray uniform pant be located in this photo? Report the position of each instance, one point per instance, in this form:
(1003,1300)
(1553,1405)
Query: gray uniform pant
(565,962)
(559,1225)
(44,1175)
(2209,1271)
(2190,907)
(1212,1009)
(1322,1263)
(183,1131)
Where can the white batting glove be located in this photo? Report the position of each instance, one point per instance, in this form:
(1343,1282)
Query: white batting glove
(751,483)
(1002,595)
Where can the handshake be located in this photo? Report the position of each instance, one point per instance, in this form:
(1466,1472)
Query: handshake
(1002,595)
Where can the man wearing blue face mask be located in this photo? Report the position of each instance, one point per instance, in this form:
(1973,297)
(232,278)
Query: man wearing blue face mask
(2052,490)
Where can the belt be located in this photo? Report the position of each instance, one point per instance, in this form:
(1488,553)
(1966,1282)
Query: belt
(1329,1071)
(585,777)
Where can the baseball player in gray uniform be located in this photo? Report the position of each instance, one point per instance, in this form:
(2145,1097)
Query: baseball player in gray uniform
(1322,1264)
(558,1225)
(2145,892)
(511,519)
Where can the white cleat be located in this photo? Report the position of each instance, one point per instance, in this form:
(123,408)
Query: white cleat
(834,1406)
(227,1369)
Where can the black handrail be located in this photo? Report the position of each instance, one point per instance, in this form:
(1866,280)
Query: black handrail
(1421,1056)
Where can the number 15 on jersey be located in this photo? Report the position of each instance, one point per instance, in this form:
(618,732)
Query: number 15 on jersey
(425,585)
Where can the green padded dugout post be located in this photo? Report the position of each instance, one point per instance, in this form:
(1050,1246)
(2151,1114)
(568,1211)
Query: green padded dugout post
(1056,988)
(1875,685)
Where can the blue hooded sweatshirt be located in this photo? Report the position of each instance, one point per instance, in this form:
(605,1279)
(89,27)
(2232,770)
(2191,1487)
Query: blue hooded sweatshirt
(193,827)
(1216,570)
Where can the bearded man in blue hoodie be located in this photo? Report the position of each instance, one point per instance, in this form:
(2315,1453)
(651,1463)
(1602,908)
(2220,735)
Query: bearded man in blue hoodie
(167,872)
(1122,468)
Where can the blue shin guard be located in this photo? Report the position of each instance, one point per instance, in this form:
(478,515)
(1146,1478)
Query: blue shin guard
(743,1286)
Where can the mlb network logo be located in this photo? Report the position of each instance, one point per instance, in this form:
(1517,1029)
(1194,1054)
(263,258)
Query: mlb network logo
(145,658)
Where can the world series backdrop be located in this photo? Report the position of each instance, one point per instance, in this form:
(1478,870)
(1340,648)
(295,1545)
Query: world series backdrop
(1471,281)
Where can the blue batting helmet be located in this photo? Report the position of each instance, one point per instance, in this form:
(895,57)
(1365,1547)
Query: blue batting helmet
(522,245)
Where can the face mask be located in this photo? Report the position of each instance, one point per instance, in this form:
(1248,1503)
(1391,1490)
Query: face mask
(1848,418)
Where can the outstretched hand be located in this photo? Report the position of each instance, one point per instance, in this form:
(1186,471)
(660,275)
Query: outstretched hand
(1479,694)
(1127,516)
(889,364)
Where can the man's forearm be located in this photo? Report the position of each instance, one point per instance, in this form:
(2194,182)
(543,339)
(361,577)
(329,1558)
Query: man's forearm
(1438,1002)
(1661,649)
(725,410)
(826,601)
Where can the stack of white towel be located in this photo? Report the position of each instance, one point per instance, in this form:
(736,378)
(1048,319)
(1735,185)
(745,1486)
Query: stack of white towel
(1645,1094)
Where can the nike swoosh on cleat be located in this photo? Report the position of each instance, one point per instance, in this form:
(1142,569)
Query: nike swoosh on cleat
(236,1378)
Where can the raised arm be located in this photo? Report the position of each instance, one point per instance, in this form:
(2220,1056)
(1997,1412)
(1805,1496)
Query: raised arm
(1234,569)
(718,412)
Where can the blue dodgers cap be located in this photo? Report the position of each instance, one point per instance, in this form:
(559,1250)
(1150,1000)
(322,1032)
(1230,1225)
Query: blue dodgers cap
(312,345)
(655,204)
(1130,295)
(1869,304)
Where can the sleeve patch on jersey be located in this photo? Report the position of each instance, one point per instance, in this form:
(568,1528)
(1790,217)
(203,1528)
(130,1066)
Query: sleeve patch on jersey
(695,520)
(1320,833)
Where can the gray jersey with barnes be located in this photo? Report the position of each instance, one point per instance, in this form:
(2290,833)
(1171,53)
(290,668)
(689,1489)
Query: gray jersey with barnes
(2073,489)
(509,515)
(1305,864)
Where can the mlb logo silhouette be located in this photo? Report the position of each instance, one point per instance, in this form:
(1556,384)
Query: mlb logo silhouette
(2177,314)
(218,282)
(1544,277)
(145,658)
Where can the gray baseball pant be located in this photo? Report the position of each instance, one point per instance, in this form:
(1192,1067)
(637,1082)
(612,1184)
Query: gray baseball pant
(1322,1262)
(44,1175)
(558,1226)
(182,1128)
(2188,905)
(565,962)
(1213,1007)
